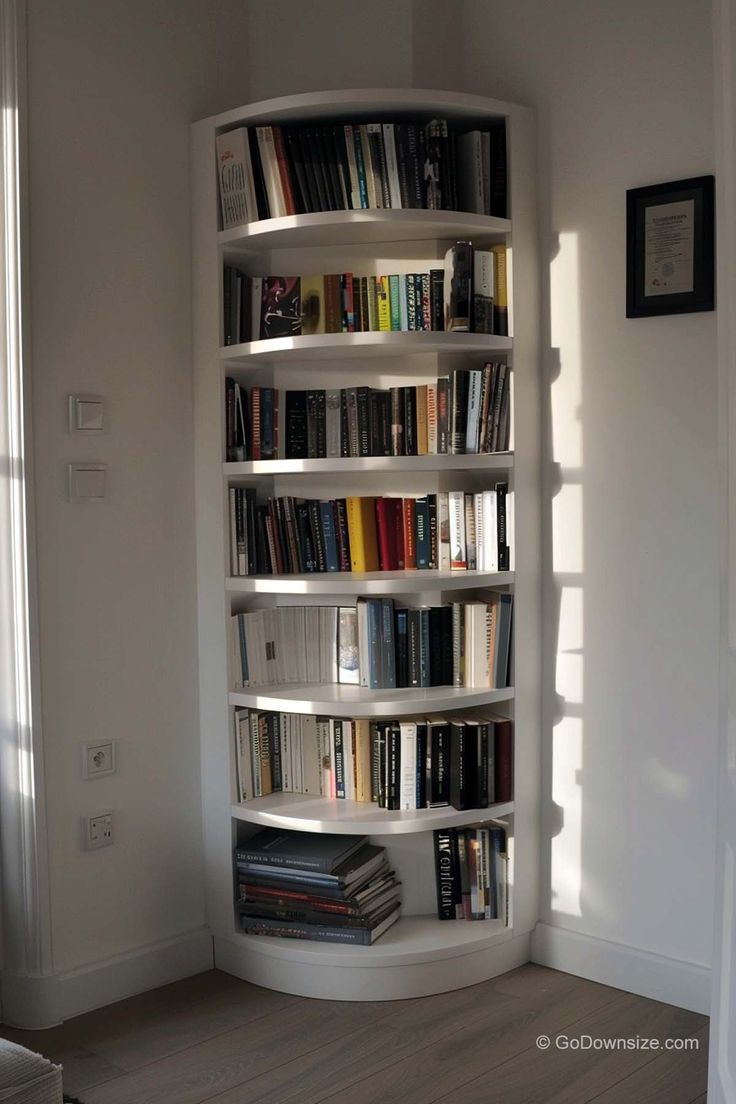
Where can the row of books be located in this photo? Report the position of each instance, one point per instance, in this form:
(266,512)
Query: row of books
(272,171)
(309,885)
(450,530)
(467,411)
(471,867)
(417,763)
(469,294)
(375,644)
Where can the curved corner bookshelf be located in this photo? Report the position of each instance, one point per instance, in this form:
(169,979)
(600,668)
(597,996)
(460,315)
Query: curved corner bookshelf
(425,955)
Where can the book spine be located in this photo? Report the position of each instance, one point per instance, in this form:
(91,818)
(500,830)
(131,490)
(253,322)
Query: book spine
(445,874)
(389,142)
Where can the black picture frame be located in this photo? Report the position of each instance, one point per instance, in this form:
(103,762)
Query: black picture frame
(691,258)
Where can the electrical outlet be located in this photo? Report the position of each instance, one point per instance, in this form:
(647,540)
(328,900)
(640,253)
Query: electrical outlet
(98,759)
(97,831)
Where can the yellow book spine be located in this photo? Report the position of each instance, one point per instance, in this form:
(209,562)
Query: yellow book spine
(362,533)
(384,304)
(499,276)
(362,737)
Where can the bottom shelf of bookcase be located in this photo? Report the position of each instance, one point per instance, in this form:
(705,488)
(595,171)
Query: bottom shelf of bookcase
(420,955)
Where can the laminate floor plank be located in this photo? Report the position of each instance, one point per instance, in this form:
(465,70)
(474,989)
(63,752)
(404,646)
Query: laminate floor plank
(571,1076)
(194,1075)
(135,1032)
(668,1078)
(488,1037)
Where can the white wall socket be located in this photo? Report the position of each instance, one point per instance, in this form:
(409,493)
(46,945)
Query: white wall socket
(98,759)
(97,831)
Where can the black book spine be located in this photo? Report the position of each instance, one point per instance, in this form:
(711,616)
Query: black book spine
(341,158)
(415,173)
(435,646)
(436,295)
(403,162)
(481,779)
(446,874)
(375,422)
(443,407)
(301,140)
(503,546)
(321,420)
(250,521)
(432,508)
(344,432)
(272,723)
(384,423)
(296,172)
(459,766)
(446,621)
(341,532)
(296,425)
(460,381)
(398,438)
(439,753)
(401,637)
(381,740)
(304,537)
(375,762)
(415,647)
(421,766)
(393,764)
(229,419)
(379,158)
(315,163)
(364,422)
(410,421)
(331,169)
(498,170)
(263,559)
(259,183)
(318,540)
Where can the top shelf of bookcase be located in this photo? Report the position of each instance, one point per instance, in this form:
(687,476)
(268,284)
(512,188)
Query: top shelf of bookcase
(359,227)
(365,344)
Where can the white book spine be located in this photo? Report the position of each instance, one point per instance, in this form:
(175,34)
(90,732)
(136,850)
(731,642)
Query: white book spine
(237,194)
(443,530)
(297,755)
(480,539)
(394,186)
(363,648)
(245,768)
(510,530)
(352,168)
(475,385)
(458,555)
(271,177)
(470,540)
(490,530)
(370,181)
(311,757)
(408,766)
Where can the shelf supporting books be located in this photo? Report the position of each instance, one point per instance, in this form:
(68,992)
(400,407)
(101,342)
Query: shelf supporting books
(426,954)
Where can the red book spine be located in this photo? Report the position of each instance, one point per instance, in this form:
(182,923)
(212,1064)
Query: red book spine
(410,547)
(385,533)
(503,757)
(255,421)
(397,524)
(278,142)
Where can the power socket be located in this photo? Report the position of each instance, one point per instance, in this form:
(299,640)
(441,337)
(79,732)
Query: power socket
(98,760)
(97,831)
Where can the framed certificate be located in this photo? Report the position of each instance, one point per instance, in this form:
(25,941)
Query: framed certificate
(669,248)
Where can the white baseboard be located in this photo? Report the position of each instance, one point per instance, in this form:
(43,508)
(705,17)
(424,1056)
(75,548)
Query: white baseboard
(683,984)
(36,1003)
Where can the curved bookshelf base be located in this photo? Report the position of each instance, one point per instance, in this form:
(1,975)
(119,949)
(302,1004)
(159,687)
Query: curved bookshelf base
(329,972)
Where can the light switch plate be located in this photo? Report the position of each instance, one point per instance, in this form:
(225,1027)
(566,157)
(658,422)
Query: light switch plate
(86,414)
(87,482)
(97,831)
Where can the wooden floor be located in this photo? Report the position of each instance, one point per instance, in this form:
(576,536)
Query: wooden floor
(213,1038)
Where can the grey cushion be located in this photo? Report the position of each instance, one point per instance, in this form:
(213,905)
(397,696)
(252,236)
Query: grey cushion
(28,1078)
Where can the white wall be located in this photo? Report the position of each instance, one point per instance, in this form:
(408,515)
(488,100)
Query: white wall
(624,95)
(112,88)
(631,417)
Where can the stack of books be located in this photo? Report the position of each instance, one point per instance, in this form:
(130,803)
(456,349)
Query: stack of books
(472,873)
(375,644)
(272,171)
(306,885)
(465,412)
(468,294)
(417,763)
(449,531)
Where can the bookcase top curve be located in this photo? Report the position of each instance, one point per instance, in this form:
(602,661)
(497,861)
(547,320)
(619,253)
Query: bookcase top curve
(330,346)
(347,103)
(358,701)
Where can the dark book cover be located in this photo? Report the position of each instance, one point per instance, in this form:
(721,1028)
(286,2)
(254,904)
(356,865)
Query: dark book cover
(288,509)
(342,534)
(296,425)
(503,756)
(435,646)
(424,645)
(393,766)
(388,647)
(401,637)
(332,559)
(419,302)
(397,421)
(341,160)
(344,431)
(443,410)
(498,170)
(438,739)
(381,756)
(259,183)
(307,551)
(375,763)
(503,547)
(458,286)
(310,175)
(410,421)
(295,163)
(460,382)
(415,647)
(320,169)
(415,165)
(315,527)
(230,419)
(274,743)
(422,532)
(411,302)
(312,452)
(339,758)
(281,309)
(446,634)
(421,765)
(403,162)
(363,421)
(484,734)
(445,873)
(388,559)
(319,933)
(432,510)
(360,167)
(338,200)
(263,557)
(321,422)
(250,521)
(431,168)
(268,423)
(462,781)
(378,151)
(436,298)
(315,851)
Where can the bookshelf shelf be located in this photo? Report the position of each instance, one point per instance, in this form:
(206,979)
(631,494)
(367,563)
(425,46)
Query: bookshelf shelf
(339,346)
(322,814)
(358,227)
(358,701)
(426,955)
(355,465)
(368,582)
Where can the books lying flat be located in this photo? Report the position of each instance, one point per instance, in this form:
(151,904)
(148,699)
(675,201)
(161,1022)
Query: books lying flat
(315,851)
(321,933)
(354,870)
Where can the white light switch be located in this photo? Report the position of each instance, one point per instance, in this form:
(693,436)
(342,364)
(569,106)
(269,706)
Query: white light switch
(86,414)
(87,482)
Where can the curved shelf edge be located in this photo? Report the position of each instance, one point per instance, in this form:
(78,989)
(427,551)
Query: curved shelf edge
(305,813)
(329,346)
(357,701)
(353,465)
(369,582)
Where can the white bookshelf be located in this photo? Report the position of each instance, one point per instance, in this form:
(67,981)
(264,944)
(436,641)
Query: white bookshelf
(426,955)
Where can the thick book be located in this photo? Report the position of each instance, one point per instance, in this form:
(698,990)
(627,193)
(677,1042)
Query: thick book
(458,287)
(448,889)
(281,314)
(322,933)
(315,851)
(238,202)
(361,514)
